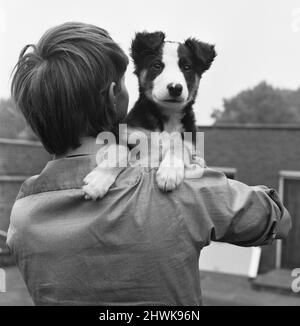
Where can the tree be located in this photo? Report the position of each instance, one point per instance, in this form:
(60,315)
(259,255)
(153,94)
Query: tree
(12,123)
(262,104)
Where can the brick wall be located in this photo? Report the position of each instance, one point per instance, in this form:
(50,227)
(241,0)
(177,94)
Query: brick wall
(258,153)
(19,159)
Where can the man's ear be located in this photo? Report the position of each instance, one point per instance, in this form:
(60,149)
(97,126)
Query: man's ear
(112,96)
(144,44)
(203,53)
(110,108)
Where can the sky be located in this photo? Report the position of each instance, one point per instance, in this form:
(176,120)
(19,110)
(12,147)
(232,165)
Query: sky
(255,40)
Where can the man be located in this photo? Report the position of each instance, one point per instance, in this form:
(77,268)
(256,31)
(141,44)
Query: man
(137,245)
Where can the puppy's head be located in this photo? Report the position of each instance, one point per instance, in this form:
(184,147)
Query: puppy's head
(169,72)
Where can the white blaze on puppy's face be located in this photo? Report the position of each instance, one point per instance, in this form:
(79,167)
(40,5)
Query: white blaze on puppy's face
(171,75)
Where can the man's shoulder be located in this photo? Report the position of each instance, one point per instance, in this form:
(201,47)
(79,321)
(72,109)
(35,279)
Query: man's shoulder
(27,187)
(59,174)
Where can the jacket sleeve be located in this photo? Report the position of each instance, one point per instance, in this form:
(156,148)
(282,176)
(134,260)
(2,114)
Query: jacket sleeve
(238,214)
(258,216)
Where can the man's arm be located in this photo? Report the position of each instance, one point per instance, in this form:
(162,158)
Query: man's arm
(229,211)
(259,217)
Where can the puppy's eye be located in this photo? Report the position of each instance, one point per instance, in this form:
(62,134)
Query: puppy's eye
(157,65)
(187,67)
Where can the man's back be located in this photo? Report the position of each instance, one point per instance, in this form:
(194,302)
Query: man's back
(136,246)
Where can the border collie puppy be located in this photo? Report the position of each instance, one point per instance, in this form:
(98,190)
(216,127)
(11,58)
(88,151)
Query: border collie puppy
(169,74)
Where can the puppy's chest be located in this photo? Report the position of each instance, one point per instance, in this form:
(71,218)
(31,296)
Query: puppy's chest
(174,124)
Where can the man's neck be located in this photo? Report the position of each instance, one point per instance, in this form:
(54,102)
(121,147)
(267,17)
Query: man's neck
(88,147)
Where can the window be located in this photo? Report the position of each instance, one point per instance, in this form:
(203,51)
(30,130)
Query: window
(287,253)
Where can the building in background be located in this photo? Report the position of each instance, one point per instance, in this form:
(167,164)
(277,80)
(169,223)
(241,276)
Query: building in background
(19,160)
(262,155)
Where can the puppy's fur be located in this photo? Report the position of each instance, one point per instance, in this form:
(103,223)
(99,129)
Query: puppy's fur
(159,64)
(169,74)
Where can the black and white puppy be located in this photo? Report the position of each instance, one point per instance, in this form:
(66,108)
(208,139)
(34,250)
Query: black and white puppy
(169,74)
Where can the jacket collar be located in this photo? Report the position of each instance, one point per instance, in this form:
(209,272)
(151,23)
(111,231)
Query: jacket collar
(88,147)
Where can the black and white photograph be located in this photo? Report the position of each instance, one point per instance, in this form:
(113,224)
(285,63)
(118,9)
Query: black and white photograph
(149,155)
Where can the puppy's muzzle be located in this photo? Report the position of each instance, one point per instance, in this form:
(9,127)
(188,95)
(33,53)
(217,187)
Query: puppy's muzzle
(175,90)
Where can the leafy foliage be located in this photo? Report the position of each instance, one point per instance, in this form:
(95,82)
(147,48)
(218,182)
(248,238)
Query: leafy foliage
(262,104)
(12,123)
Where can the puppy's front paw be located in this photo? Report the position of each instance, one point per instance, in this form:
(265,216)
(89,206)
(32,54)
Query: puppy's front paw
(97,184)
(168,178)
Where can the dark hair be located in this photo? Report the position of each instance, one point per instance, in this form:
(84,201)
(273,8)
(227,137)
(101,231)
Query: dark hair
(62,85)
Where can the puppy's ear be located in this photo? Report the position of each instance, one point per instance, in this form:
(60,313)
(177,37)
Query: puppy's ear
(203,53)
(144,44)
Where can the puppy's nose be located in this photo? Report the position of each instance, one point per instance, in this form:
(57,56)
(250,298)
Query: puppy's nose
(175,90)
